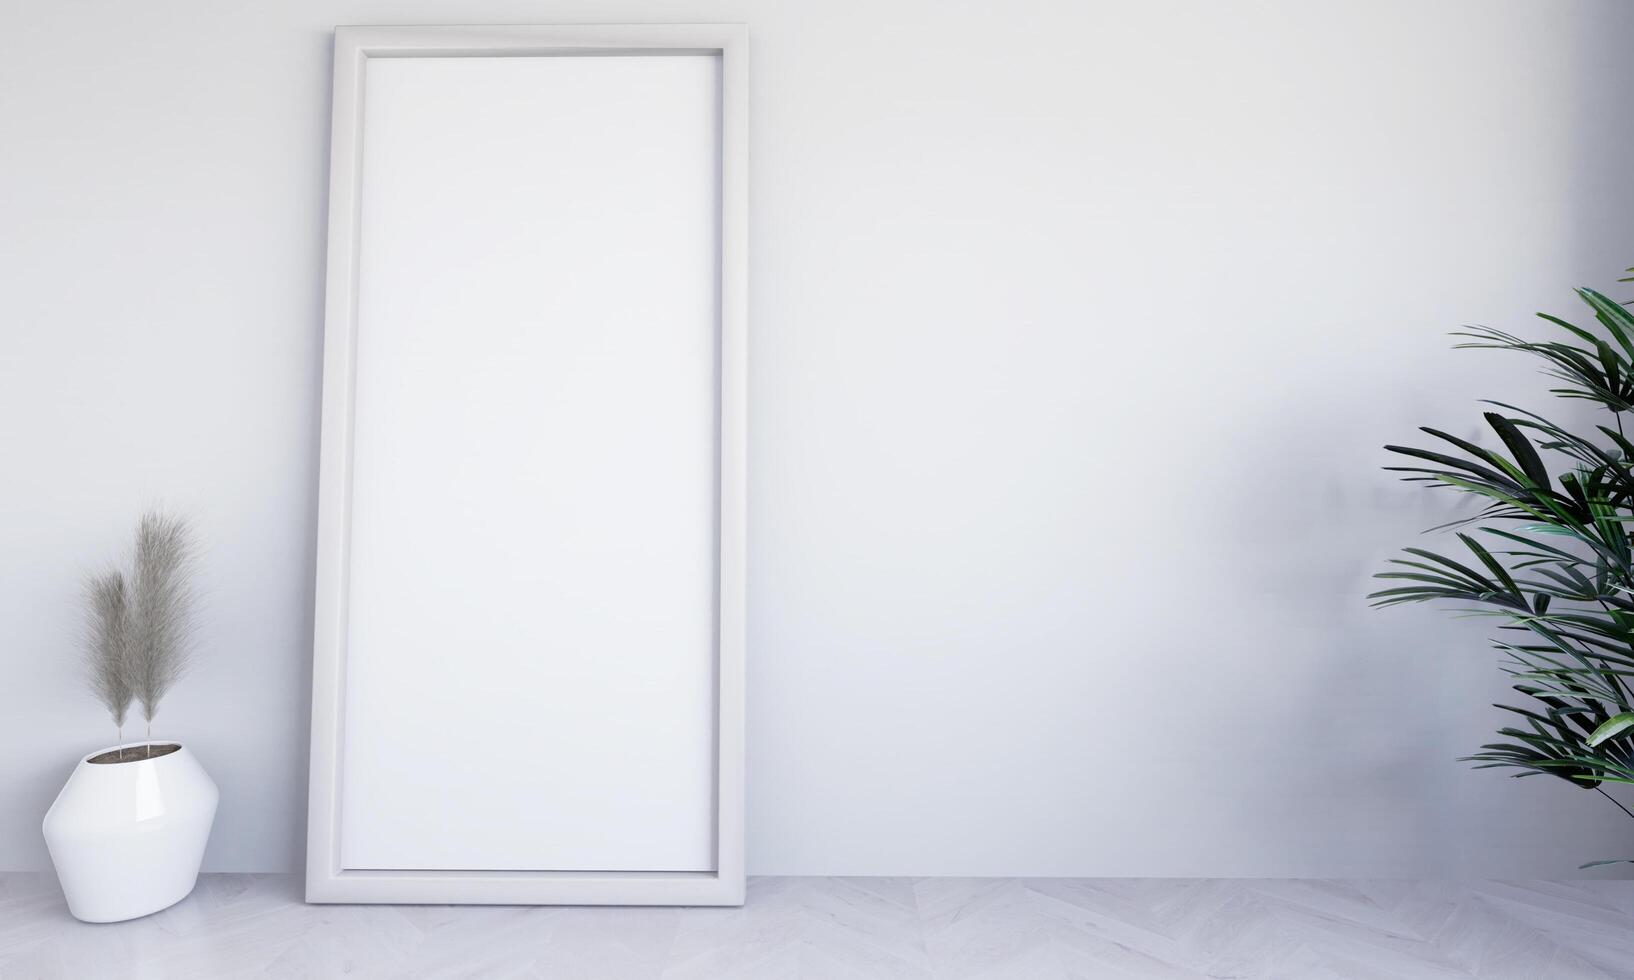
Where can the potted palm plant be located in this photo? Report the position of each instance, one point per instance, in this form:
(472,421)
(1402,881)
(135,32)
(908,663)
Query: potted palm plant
(127,832)
(1547,553)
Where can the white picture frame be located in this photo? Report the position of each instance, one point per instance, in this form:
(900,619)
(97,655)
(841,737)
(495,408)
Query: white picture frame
(327,877)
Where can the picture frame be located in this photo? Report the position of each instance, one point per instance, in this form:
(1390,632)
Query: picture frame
(334,872)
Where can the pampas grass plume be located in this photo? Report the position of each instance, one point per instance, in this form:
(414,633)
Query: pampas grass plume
(162,607)
(107,643)
(139,625)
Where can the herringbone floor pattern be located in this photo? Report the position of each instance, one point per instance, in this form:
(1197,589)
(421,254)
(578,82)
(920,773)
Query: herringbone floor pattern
(850,928)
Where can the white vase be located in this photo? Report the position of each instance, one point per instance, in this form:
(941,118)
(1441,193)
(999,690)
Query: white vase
(127,837)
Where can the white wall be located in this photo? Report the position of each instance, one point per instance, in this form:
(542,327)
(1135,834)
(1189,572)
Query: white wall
(1076,329)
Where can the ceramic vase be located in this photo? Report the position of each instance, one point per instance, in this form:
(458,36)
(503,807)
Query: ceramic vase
(127,837)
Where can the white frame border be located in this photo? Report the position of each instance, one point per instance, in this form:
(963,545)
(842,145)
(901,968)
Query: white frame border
(326,881)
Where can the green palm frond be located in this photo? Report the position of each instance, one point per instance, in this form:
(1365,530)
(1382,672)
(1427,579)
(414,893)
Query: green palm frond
(1548,553)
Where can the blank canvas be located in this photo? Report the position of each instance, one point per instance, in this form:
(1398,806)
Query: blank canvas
(530,672)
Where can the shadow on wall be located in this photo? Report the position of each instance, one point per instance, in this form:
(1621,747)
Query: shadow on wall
(1386,701)
(1602,184)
